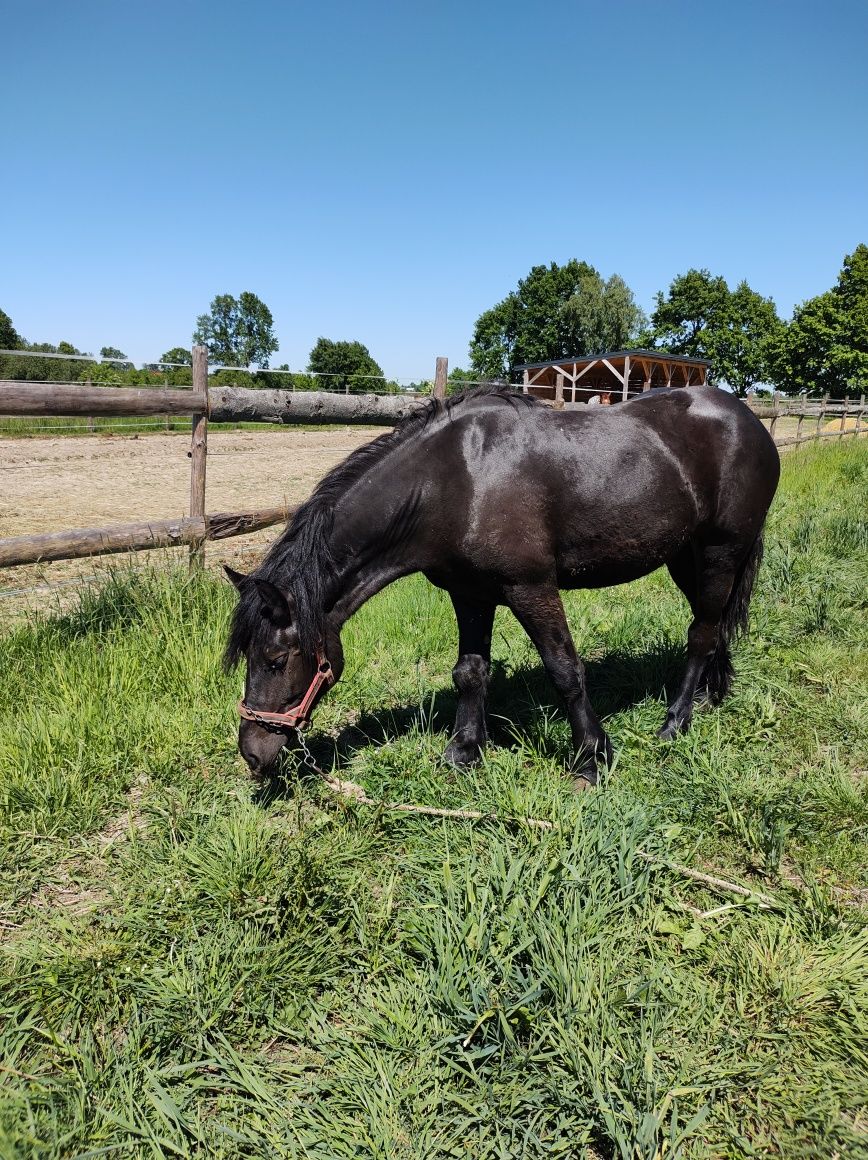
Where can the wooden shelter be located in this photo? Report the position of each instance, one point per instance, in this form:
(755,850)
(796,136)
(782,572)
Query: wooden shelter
(616,374)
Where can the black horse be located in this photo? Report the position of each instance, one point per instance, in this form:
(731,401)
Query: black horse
(499,499)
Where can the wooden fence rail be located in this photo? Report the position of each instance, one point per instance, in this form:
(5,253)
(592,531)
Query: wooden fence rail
(217,404)
(815,412)
(78,543)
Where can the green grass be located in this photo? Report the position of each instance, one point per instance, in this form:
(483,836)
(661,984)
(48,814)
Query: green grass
(190,969)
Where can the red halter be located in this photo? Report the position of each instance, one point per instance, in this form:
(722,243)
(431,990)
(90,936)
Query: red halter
(298,717)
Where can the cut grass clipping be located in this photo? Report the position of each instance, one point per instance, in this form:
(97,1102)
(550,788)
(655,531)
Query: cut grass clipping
(190,969)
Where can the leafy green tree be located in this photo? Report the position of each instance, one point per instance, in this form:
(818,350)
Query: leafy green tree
(118,360)
(737,331)
(345,366)
(556,311)
(178,354)
(10,339)
(601,315)
(238,332)
(743,339)
(684,319)
(824,349)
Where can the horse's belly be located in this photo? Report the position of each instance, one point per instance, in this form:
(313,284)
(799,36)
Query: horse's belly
(598,559)
(581,574)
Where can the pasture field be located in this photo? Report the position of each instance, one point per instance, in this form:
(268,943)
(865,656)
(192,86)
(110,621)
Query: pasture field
(190,968)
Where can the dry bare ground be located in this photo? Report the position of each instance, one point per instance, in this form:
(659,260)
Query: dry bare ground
(47,485)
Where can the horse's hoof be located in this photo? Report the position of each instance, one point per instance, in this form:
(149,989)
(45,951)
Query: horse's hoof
(671,727)
(586,776)
(461,755)
(584,782)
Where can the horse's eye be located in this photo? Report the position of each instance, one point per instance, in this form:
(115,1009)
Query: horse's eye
(277,664)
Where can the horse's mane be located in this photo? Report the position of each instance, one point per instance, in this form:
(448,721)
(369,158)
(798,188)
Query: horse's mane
(300,562)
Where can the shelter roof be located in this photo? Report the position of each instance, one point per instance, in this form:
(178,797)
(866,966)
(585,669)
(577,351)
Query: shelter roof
(580,360)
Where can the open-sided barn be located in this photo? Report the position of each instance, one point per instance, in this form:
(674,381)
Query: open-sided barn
(611,376)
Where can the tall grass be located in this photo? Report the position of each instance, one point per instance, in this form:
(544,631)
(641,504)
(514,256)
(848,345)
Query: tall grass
(192,969)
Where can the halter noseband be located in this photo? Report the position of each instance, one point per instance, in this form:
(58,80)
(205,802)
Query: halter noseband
(298,717)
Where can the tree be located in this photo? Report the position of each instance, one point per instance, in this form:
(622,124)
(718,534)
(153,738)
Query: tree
(10,339)
(743,340)
(602,315)
(178,354)
(737,331)
(460,380)
(683,320)
(238,332)
(117,360)
(345,366)
(555,312)
(824,349)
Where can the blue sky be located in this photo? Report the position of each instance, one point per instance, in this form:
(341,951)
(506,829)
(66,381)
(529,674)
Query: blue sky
(385,172)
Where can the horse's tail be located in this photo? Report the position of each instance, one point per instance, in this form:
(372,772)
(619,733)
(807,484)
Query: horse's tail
(718,674)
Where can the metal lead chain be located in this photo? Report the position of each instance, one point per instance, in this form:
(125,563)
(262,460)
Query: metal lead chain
(307,756)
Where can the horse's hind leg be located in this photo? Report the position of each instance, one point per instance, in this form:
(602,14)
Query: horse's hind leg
(539,610)
(471,680)
(716,574)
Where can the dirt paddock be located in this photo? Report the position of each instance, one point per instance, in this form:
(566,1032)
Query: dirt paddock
(47,485)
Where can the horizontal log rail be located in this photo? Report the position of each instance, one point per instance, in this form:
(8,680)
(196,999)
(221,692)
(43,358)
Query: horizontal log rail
(792,440)
(808,410)
(249,405)
(78,543)
(219,404)
(17,398)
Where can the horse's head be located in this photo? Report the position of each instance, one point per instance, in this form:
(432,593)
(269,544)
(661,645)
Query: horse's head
(282,684)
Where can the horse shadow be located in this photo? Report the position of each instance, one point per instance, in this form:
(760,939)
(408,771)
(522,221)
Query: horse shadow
(519,701)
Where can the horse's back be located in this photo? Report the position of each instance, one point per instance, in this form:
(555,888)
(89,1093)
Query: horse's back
(607,493)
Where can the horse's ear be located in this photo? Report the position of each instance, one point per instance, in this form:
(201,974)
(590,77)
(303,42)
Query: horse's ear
(237,578)
(275,605)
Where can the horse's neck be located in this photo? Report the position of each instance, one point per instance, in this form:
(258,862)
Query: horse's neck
(372,543)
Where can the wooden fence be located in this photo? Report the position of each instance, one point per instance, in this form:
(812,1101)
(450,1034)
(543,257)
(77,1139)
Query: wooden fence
(201,403)
(239,404)
(812,415)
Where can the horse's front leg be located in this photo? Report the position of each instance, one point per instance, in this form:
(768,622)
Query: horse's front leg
(471,681)
(539,610)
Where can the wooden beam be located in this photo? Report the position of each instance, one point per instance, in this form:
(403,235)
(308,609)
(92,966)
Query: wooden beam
(199,451)
(77,543)
(525,379)
(559,391)
(441,374)
(64,399)
(626,392)
(244,404)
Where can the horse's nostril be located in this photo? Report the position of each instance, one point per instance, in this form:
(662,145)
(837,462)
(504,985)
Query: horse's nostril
(253,760)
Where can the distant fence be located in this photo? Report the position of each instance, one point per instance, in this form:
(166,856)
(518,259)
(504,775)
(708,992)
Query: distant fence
(201,403)
(811,416)
(240,404)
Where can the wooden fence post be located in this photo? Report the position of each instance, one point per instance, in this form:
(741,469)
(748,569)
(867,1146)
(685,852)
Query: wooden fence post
(559,392)
(441,374)
(775,415)
(198,452)
(843,420)
(820,416)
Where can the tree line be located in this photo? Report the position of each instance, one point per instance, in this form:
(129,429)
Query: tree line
(560,311)
(555,312)
(238,334)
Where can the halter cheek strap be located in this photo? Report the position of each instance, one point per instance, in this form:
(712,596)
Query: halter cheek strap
(298,717)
